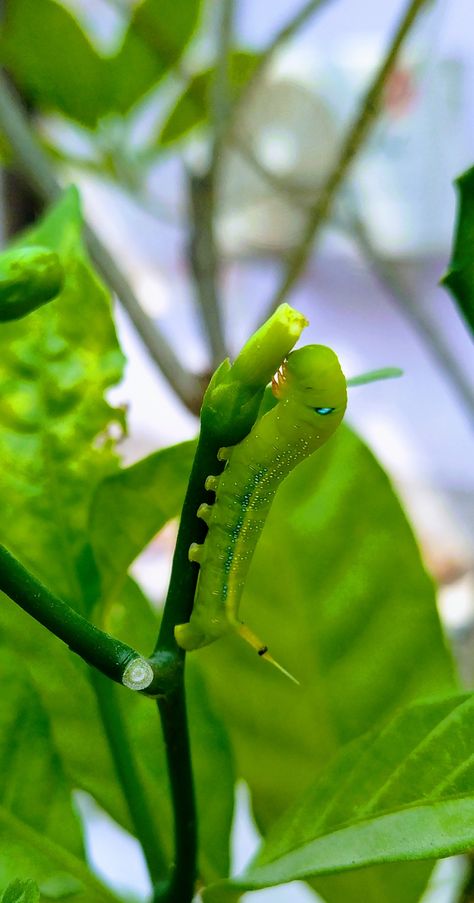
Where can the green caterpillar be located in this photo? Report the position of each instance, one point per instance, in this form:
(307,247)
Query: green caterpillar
(312,397)
(29,277)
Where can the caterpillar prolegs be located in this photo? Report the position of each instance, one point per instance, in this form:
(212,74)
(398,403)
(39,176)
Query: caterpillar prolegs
(311,400)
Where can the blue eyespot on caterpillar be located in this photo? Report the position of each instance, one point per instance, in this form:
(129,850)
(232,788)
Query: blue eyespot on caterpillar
(311,394)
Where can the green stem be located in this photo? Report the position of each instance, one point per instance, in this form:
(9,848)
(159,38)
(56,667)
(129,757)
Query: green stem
(33,163)
(174,724)
(169,658)
(128,776)
(97,648)
(352,143)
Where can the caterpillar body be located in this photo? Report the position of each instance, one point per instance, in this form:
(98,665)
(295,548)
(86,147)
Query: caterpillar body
(312,397)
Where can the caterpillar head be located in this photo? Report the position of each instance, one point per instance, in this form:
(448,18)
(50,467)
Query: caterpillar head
(311,378)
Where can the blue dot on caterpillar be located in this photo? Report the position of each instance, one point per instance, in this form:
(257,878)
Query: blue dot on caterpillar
(311,394)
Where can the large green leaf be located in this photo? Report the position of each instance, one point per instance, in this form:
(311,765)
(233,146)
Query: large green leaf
(403,793)
(71,76)
(459,278)
(338,590)
(193,106)
(131,506)
(55,366)
(39,832)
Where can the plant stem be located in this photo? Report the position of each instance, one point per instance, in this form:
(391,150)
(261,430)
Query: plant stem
(128,776)
(389,277)
(174,724)
(169,657)
(33,163)
(97,648)
(221,94)
(203,259)
(352,143)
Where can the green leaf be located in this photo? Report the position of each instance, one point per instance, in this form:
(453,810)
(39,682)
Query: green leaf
(32,783)
(131,506)
(459,278)
(157,36)
(403,793)
(39,832)
(36,854)
(338,591)
(21,892)
(71,76)
(193,106)
(51,58)
(55,367)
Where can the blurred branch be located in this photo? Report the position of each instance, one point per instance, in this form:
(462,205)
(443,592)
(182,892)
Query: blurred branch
(221,95)
(285,34)
(30,159)
(390,279)
(352,143)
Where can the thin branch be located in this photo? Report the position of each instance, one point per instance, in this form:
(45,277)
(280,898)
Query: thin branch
(30,159)
(168,656)
(129,778)
(115,659)
(221,93)
(355,137)
(282,37)
(390,279)
(203,259)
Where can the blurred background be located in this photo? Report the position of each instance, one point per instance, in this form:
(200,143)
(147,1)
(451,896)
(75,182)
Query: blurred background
(371,287)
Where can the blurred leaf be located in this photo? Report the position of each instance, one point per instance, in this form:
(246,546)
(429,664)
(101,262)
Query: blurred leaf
(194,105)
(403,793)
(55,367)
(459,278)
(60,886)
(39,832)
(51,58)
(21,892)
(156,38)
(131,506)
(338,591)
(76,80)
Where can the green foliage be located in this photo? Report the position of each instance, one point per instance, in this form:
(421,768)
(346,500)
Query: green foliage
(339,593)
(21,892)
(194,105)
(459,278)
(55,366)
(39,833)
(131,506)
(29,277)
(405,792)
(71,77)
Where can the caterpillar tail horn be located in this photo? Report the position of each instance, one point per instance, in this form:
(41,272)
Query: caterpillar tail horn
(262,650)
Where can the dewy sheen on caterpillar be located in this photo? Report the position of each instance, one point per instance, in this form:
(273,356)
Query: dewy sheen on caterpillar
(312,398)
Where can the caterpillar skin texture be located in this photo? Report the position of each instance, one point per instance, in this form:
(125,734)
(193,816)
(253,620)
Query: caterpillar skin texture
(312,398)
